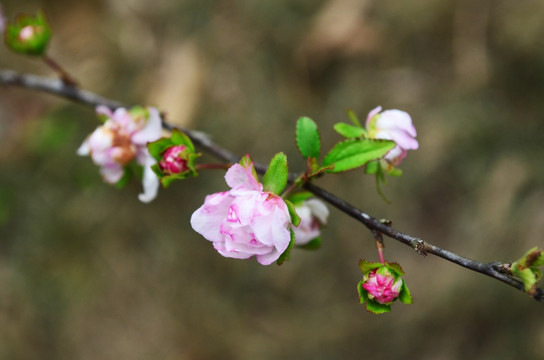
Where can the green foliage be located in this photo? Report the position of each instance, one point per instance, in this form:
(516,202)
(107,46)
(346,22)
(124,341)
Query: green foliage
(307,137)
(349,131)
(526,268)
(29,35)
(313,244)
(275,178)
(285,255)
(353,153)
(295,219)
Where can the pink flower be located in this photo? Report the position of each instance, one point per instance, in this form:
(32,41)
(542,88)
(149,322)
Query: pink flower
(121,139)
(173,161)
(244,221)
(2,21)
(382,287)
(313,214)
(393,125)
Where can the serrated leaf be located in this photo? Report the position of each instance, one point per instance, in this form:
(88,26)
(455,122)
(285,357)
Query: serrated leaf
(395,267)
(349,131)
(156,148)
(285,255)
(367,267)
(307,138)
(353,153)
(377,308)
(180,138)
(405,296)
(275,178)
(295,219)
(527,276)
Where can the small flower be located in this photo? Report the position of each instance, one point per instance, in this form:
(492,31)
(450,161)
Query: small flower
(393,125)
(29,35)
(2,20)
(313,215)
(383,288)
(382,284)
(120,140)
(244,221)
(173,161)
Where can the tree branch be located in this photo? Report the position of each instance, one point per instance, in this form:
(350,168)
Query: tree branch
(496,270)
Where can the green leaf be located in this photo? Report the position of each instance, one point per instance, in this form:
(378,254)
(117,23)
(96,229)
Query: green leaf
(395,267)
(307,137)
(354,119)
(363,294)
(527,276)
(349,131)
(156,148)
(180,138)
(372,167)
(353,153)
(313,244)
(377,308)
(275,178)
(299,197)
(367,267)
(285,255)
(405,296)
(295,219)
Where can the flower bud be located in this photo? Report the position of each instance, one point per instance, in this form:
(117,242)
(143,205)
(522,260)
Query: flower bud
(174,160)
(383,288)
(28,35)
(382,284)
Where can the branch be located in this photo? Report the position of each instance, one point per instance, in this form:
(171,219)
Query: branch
(496,270)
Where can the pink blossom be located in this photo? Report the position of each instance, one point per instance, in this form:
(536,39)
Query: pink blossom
(173,161)
(393,125)
(121,139)
(3,21)
(244,221)
(313,215)
(382,286)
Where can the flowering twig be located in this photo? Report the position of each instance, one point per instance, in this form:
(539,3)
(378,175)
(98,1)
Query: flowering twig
(496,270)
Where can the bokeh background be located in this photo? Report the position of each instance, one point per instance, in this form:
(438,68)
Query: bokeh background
(88,272)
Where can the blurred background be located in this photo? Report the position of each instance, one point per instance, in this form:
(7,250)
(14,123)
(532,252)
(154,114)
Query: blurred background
(89,272)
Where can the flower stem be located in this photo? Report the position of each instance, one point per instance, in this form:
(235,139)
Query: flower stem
(64,76)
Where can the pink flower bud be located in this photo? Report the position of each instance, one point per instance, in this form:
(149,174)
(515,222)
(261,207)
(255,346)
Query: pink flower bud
(173,161)
(382,287)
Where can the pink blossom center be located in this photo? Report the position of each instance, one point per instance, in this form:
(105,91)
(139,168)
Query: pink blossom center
(382,288)
(172,162)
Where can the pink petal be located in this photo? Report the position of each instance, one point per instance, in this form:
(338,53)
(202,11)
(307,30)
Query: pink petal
(207,219)
(238,177)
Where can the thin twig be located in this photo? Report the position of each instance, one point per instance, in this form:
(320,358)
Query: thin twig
(57,87)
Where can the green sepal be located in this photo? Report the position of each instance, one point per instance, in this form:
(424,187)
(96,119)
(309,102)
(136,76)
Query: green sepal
(353,153)
(299,197)
(158,147)
(37,44)
(180,138)
(247,163)
(307,138)
(404,295)
(367,267)
(395,267)
(285,255)
(275,178)
(295,219)
(393,171)
(313,244)
(377,308)
(349,131)
(363,294)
